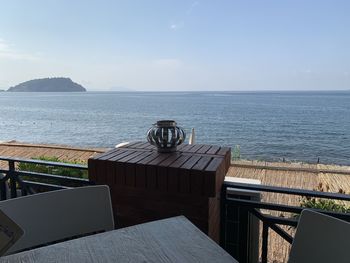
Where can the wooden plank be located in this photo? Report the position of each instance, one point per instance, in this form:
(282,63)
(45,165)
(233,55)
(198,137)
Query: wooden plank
(195,148)
(162,178)
(180,147)
(213,149)
(172,158)
(140,176)
(110,173)
(137,145)
(129,157)
(100,169)
(130,175)
(191,162)
(184,181)
(214,164)
(215,175)
(178,179)
(200,178)
(92,172)
(186,147)
(144,145)
(148,159)
(151,147)
(223,151)
(119,173)
(196,182)
(121,155)
(202,163)
(180,161)
(204,149)
(162,171)
(138,158)
(173,180)
(103,155)
(160,158)
(151,177)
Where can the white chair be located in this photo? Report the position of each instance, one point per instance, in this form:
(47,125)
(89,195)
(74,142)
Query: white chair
(58,215)
(320,239)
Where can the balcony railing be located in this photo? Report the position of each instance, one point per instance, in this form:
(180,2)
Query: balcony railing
(237,212)
(14,180)
(280,218)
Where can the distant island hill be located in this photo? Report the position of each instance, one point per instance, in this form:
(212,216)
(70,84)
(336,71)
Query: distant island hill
(48,85)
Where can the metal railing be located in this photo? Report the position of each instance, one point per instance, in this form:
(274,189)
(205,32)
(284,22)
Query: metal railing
(270,215)
(14,182)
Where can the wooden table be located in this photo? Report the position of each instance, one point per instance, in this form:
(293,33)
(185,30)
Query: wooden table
(147,185)
(169,240)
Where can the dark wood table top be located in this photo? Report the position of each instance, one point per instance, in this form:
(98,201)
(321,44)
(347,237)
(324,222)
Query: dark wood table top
(205,165)
(170,240)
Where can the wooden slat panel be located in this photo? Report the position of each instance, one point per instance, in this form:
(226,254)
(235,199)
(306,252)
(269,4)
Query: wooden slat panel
(214,177)
(195,148)
(121,155)
(162,172)
(197,182)
(191,162)
(204,149)
(171,159)
(143,145)
(119,173)
(107,155)
(186,147)
(180,161)
(140,176)
(151,177)
(174,176)
(148,159)
(138,145)
(162,178)
(213,149)
(130,174)
(129,157)
(130,144)
(223,151)
(138,158)
(202,163)
(160,158)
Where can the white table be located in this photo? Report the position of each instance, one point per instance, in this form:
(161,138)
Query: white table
(170,240)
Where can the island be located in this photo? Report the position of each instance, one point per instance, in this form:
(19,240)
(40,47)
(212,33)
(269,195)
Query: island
(48,85)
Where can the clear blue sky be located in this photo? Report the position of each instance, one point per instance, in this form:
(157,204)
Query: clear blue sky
(178,45)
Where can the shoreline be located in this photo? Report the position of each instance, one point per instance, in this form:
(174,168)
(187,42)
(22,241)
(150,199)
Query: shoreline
(293,166)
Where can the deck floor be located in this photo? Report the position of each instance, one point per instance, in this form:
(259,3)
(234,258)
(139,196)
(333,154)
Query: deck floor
(303,176)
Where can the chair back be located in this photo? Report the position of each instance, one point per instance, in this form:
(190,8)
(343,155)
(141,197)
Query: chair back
(58,215)
(320,239)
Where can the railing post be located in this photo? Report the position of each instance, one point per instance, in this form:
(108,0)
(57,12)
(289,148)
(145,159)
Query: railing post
(2,187)
(265,239)
(13,180)
(223,217)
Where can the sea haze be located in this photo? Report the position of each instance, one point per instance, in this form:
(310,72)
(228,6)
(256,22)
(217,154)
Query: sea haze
(297,126)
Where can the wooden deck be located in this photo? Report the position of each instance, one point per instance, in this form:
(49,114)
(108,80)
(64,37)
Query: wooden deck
(295,175)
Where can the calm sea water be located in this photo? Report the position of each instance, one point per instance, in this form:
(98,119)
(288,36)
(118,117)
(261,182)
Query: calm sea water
(297,126)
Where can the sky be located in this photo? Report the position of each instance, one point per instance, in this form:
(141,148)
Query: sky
(178,45)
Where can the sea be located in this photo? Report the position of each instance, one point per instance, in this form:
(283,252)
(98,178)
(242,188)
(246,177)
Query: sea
(268,126)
